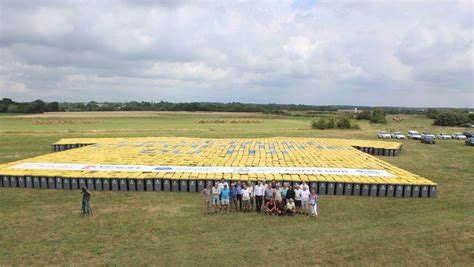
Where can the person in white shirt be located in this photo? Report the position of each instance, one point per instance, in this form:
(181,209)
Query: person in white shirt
(305,204)
(216,193)
(298,199)
(245,198)
(259,191)
(222,183)
(250,191)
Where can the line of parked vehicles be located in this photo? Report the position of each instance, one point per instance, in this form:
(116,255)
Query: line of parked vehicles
(429,138)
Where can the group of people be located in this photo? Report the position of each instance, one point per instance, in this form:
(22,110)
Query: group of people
(271,197)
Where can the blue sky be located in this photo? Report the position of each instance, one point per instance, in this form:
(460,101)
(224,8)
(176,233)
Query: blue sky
(398,53)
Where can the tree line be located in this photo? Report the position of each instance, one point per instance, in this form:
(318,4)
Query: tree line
(7,105)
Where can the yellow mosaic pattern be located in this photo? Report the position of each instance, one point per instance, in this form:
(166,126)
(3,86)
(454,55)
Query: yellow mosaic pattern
(252,152)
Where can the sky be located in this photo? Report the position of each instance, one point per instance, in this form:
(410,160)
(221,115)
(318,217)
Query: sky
(415,53)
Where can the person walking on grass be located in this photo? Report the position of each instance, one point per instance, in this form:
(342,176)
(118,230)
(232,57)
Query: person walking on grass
(207,198)
(86,201)
(225,192)
(259,191)
(314,204)
(216,193)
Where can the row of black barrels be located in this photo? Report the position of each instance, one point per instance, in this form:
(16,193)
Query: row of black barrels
(56,147)
(379,151)
(168,185)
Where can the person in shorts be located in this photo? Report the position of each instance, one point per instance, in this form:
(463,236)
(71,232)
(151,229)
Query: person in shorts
(245,199)
(305,204)
(207,198)
(298,199)
(216,193)
(225,193)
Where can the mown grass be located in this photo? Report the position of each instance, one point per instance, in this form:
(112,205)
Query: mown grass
(44,227)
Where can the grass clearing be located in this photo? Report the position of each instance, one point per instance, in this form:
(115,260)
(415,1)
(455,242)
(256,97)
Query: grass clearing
(43,227)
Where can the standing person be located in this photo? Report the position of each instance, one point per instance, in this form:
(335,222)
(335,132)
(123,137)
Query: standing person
(259,192)
(246,199)
(298,199)
(207,198)
(239,194)
(233,197)
(225,192)
(278,197)
(250,191)
(314,204)
(305,194)
(86,201)
(222,183)
(284,191)
(216,194)
(268,194)
(290,193)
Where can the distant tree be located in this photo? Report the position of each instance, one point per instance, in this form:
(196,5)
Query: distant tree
(330,123)
(37,106)
(432,113)
(52,106)
(320,124)
(344,123)
(378,116)
(471,117)
(451,118)
(364,115)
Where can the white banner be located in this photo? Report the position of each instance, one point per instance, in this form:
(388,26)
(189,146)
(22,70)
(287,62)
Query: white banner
(193,169)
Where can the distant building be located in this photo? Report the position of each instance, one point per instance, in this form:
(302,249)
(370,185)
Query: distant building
(354,111)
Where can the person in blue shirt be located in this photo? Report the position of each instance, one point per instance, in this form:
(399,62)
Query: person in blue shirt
(233,197)
(225,194)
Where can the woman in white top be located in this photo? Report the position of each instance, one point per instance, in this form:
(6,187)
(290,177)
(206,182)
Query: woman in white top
(305,194)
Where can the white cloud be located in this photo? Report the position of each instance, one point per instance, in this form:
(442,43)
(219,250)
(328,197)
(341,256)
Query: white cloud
(324,52)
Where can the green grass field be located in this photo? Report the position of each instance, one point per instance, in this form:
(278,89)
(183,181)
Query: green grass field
(44,227)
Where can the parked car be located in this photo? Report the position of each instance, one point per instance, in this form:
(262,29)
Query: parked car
(428,139)
(414,135)
(423,134)
(383,135)
(468,134)
(444,136)
(398,135)
(470,141)
(458,136)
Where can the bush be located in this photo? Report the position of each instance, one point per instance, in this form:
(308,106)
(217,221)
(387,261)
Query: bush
(378,116)
(342,123)
(320,124)
(364,115)
(451,118)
